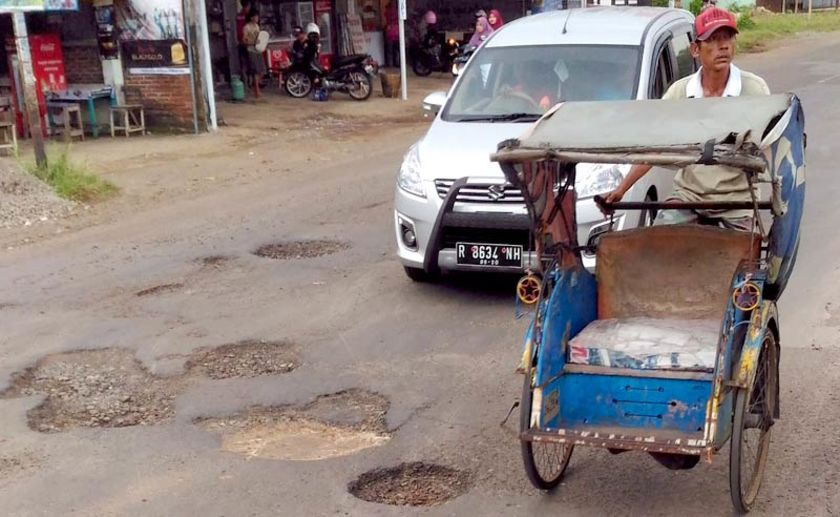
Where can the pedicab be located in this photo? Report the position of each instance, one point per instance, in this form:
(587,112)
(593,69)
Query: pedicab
(671,347)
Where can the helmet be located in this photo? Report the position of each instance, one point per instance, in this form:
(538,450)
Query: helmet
(313,27)
(430,17)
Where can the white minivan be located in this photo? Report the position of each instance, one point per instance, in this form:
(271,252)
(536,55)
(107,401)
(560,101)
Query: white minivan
(453,209)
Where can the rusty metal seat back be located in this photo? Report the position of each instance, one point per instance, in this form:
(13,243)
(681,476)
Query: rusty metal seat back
(674,271)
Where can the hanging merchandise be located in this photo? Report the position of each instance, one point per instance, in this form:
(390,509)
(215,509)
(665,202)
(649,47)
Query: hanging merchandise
(106,34)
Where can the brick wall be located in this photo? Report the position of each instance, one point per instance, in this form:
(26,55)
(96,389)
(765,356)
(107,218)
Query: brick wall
(81,63)
(166,98)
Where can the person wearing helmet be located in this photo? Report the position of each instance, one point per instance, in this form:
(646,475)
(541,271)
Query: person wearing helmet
(313,46)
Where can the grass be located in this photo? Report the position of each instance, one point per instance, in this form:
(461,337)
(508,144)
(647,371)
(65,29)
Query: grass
(72,181)
(761,29)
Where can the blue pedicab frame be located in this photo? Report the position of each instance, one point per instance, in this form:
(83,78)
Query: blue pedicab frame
(560,408)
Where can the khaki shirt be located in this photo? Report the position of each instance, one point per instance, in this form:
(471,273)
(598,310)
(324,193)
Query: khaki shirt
(696,183)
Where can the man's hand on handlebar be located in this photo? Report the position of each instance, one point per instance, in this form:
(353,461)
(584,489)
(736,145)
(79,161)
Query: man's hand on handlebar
(636,172)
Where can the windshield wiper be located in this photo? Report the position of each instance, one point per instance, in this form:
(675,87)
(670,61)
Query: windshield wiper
(507,117)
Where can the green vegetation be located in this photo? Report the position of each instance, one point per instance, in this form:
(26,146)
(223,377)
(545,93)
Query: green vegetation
(764,28)
(72,181)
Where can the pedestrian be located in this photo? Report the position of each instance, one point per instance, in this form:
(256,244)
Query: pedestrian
(483,30)
(241,21)
(392,36)
(298,45)
(256,62)
(714,47)
(495,19)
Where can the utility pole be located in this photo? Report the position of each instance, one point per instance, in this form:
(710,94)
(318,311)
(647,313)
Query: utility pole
(30,97)
(403,12)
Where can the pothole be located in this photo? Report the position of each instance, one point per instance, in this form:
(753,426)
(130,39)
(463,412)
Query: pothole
(160,289)
(300,249)
(214,261)
(331,426)
(93,388)
(411,484)
(248,358)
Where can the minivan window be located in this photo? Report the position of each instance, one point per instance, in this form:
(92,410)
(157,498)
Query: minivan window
(681,47)
(522,83)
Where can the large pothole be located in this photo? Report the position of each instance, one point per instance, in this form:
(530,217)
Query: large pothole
(94,388)
(334,425)
(248,358)
(300,249)
(411,484)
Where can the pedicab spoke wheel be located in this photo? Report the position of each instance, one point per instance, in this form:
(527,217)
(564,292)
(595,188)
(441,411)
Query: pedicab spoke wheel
(545,462)
(751,429)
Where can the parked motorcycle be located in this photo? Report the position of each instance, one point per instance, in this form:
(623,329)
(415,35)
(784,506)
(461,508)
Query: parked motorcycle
(462,55)
(433,56)
(351,75)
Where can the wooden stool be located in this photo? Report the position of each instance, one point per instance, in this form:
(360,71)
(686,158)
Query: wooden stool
(69,131)
(133,119)
(9,134)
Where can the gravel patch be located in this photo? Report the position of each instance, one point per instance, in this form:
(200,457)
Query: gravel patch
(25,200)
(333,425)
(411,484)
(94,388)
(248,358)
(293,250)
(12,465)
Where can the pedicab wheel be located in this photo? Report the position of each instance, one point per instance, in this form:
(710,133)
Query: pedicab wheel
(298,85)
(361,88)
(545,462)
(750,443)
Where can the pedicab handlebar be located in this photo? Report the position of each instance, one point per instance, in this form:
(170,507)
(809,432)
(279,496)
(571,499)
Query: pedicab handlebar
(603,204)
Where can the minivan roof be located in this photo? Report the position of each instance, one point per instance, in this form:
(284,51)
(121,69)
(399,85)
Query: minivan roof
(587,26)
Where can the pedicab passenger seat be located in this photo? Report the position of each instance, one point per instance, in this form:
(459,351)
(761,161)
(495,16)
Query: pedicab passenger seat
(662,293)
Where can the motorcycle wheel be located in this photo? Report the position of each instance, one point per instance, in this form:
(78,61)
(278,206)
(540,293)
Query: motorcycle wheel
(420,68)
(360,88)
(298,85)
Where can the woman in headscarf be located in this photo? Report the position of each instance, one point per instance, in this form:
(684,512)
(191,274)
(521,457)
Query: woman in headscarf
(495,19)
(483,30)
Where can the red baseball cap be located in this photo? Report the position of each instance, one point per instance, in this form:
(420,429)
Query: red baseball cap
(713,19)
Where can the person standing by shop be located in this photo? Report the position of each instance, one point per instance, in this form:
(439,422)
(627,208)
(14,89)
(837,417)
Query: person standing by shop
(392,36)
(256,64)
(241,21)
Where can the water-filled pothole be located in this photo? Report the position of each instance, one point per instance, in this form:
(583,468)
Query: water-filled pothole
(411,484)
(332,425)
(160,289)
(300,249)
(93,388)
(248,358)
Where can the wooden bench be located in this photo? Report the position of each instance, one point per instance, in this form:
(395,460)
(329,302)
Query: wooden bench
(130,116)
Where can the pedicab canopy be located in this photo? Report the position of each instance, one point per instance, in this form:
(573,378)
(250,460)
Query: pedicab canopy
(762,135)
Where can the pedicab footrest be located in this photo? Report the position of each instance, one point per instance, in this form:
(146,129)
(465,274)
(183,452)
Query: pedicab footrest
(622,439)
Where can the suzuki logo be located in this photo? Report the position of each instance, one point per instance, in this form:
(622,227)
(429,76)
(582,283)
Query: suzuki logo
(496,192)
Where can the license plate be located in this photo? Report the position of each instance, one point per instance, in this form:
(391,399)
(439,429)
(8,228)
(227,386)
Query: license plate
(499,255)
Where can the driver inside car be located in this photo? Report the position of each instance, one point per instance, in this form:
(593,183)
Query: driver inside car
(530,84)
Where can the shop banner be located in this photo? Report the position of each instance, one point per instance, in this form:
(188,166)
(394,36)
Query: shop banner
(61,5)
(152,35)
(7,6)
(150,20)
(170,53)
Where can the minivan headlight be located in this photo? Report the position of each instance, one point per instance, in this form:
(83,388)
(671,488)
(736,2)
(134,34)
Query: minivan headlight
(599,179)
(409,178)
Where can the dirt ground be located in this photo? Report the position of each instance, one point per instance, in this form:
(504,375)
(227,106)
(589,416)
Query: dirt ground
(272,136)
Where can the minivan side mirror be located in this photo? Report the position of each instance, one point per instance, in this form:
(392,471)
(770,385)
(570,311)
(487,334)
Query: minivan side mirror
(433,103)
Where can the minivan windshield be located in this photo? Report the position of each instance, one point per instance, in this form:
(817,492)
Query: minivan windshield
(519,84)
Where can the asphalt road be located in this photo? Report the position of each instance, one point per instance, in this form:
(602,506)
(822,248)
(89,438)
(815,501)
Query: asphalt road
(442,355)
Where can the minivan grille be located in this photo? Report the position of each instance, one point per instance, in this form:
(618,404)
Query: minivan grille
(482,193)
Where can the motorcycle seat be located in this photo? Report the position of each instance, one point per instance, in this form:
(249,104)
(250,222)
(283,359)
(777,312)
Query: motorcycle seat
(348,60)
